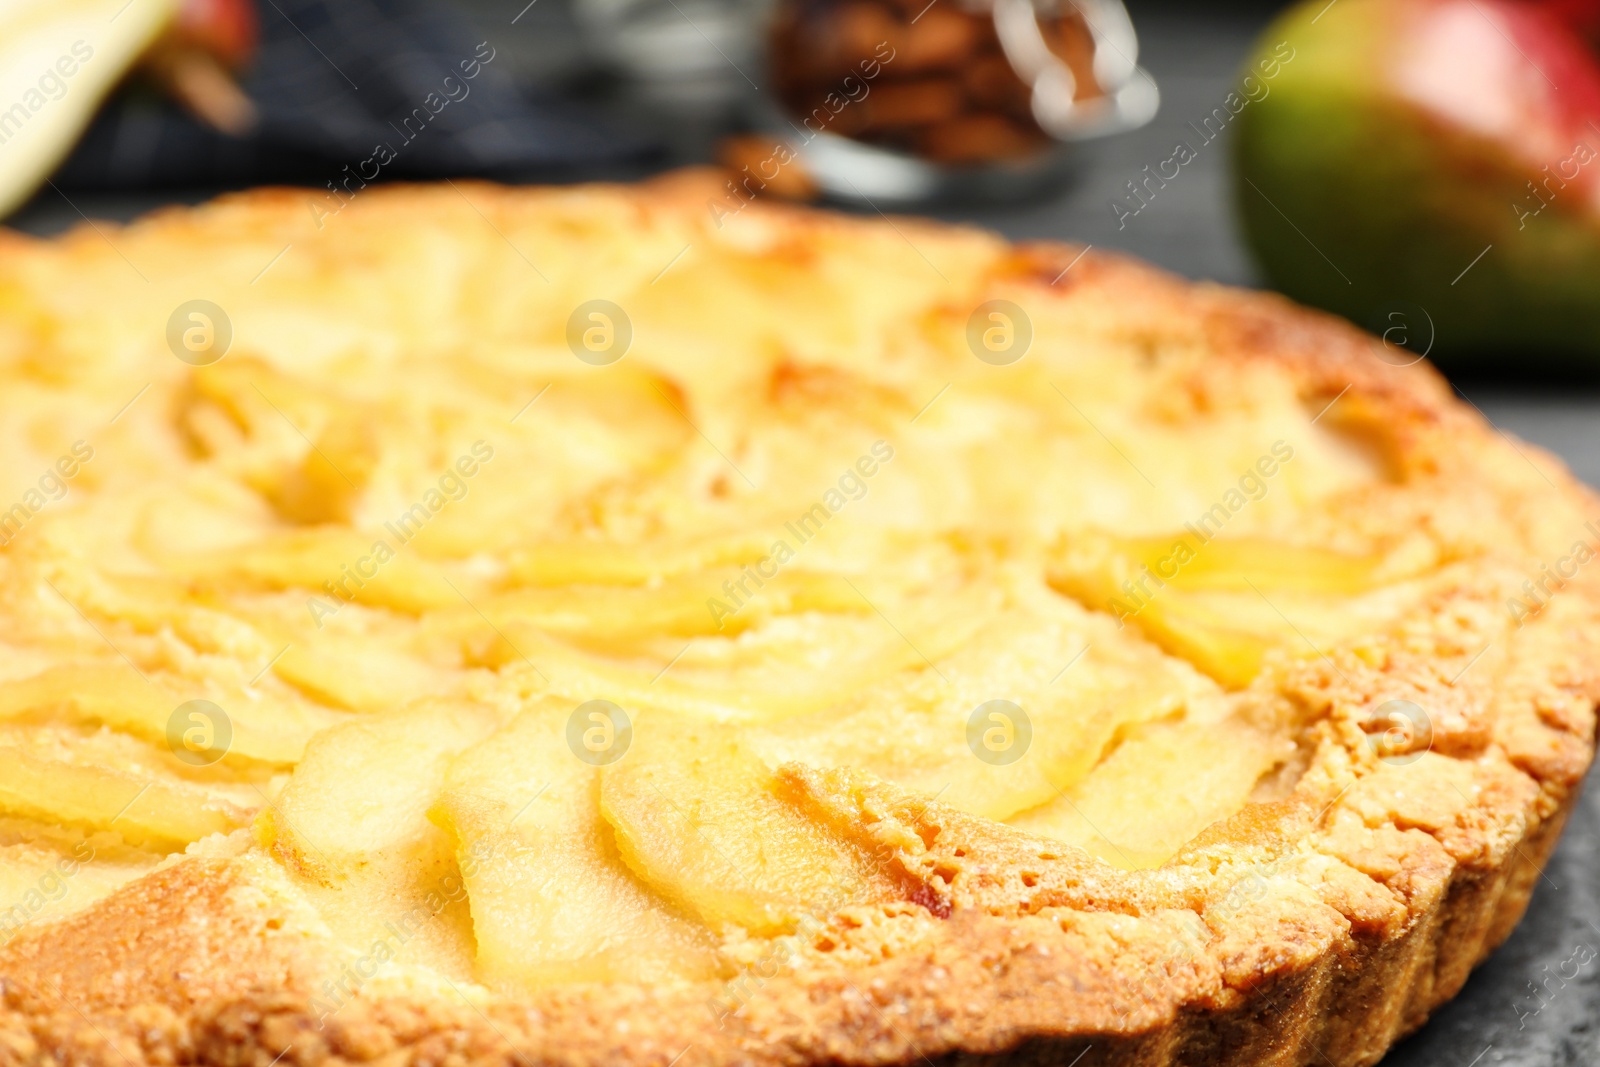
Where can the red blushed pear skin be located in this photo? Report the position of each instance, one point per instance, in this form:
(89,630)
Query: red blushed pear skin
(228,29)
(1433,166)
(1534,87)
(1581,15)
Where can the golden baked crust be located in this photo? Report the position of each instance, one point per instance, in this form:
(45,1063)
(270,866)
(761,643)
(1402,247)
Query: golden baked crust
(1317,925)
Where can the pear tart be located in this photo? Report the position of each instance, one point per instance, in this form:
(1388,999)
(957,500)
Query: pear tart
(575,626)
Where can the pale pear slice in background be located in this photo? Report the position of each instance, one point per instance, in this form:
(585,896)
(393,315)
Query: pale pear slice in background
(58,61)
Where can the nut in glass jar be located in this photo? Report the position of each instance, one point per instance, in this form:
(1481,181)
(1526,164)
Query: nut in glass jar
(909,100)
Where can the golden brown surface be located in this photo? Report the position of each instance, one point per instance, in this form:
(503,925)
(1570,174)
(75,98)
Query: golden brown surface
(1220,845)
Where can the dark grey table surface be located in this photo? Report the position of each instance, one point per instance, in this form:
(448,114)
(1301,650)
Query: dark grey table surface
(1517,1009)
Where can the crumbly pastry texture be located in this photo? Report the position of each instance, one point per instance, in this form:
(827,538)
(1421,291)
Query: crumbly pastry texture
(582,625)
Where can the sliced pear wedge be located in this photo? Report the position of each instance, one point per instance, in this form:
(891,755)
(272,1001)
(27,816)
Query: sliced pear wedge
(1158,789)
(1021,711)
(334,563)
(609,563)
(1239,563)
(160,814)
(610,614)
(361,794)
(150,603)
(270,731)
(357,675)
(352,826)
(789,665)
(699,819)
(552,901)
(1225,604)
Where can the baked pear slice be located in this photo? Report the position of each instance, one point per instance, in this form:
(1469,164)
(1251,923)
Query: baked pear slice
(116,695)
(1157,790)
(698,817)
(552,900)
(1021,711)
(145,811)
(1226,604)
(352,827)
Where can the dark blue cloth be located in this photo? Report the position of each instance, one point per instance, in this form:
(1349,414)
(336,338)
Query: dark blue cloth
(335,79)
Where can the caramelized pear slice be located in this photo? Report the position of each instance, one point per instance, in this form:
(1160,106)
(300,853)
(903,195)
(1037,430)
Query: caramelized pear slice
(1230,635)
(352,826)
(360,796)
(119,697)
(551,899)
(790,666)
(1119,575)
(1215,643)
(699,819)
(1224,604)
(152,603)
(369,568)
(1240,562)
(1022,710)
(357,675)
(1157,790)
(609,563)
(676,606)
(159,814)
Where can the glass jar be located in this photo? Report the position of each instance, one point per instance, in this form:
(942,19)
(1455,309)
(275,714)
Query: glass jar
(911,99)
